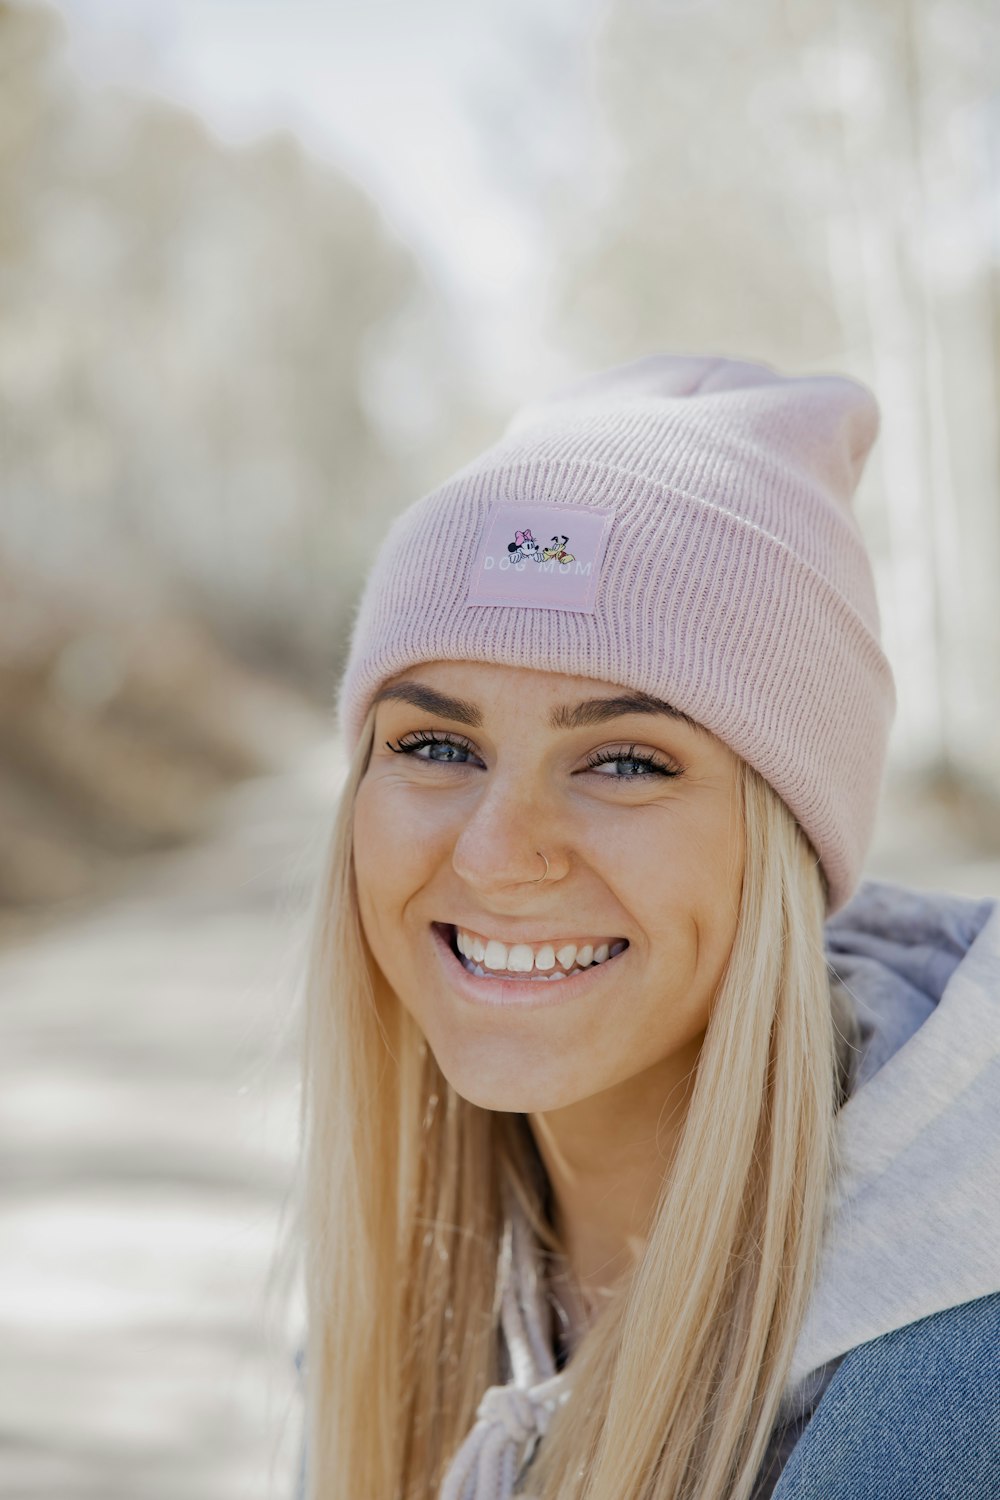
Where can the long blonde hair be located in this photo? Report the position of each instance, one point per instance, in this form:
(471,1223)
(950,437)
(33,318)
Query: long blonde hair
(677,1383)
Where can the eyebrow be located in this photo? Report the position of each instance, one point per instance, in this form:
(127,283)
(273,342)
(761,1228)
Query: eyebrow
(583,715)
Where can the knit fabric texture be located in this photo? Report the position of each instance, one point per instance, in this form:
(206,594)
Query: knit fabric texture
(680,525)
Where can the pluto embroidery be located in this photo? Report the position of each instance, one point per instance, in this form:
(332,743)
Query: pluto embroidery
(558,551)
(524,548)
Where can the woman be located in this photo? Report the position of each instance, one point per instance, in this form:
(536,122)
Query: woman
(623,1178)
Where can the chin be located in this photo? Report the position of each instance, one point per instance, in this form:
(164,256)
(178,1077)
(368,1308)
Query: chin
(511,1102)
(510,1094)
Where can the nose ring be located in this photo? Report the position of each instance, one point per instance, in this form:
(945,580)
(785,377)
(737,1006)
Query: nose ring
(541,877)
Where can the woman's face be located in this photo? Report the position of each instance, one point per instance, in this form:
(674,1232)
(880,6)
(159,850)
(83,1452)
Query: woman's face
(476,767)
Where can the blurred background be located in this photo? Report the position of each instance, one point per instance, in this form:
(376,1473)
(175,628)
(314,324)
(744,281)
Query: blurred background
(269,271)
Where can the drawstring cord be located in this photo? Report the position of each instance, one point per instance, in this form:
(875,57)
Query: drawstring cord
(511,1419)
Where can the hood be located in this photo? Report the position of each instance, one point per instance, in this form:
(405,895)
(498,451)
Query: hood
(915,1223)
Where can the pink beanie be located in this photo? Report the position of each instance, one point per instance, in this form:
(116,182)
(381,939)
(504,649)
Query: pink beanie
(683,526)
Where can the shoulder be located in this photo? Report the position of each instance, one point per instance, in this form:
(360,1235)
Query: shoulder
(913,1415)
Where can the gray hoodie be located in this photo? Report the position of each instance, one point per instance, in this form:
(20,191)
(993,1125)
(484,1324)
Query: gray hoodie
(915,1224)
(914,1227)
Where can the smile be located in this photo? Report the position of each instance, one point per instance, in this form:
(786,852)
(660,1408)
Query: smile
(541,960)
(508,986)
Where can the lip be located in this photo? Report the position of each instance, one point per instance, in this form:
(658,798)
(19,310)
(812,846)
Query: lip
(525,994)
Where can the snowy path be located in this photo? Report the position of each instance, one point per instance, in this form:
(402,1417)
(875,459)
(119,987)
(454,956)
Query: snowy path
(147,1123)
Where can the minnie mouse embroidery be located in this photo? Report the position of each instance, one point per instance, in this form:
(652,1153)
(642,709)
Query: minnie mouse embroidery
(524,547)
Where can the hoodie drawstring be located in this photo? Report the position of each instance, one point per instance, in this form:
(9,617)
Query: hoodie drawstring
(511,1419)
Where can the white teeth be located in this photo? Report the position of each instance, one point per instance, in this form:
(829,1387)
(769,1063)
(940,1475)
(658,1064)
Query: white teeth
(496,955)
(520,958)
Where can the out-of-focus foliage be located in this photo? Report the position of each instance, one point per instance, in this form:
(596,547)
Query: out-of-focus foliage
(196,459)
(184,336)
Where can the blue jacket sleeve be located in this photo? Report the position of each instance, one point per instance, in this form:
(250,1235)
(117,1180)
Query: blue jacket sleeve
(913,1415)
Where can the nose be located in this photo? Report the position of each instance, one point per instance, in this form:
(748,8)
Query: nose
(499,844)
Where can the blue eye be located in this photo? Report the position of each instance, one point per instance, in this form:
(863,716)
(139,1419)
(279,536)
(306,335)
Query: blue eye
(651,766)
(411,743)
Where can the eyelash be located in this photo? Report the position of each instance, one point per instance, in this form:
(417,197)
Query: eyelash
(410,743)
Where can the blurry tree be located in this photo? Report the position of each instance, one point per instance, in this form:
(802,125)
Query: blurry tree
(221,375)
(186,341)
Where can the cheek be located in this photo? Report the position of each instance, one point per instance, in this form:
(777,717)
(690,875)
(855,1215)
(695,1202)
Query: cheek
(394,854)
(691,894)
(377,863)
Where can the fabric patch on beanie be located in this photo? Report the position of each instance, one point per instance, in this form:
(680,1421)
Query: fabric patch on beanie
(541,555)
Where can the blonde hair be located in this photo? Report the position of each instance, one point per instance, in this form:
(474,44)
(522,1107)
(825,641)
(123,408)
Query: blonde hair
(677,1383)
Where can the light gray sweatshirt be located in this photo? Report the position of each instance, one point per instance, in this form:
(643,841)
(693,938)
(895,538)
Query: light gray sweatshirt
(915,1220)
(915,1223)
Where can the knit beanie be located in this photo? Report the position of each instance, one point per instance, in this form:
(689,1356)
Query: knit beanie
(680,525)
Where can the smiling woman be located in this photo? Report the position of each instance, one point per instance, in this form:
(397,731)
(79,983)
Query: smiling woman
(584,1091)
(643,852)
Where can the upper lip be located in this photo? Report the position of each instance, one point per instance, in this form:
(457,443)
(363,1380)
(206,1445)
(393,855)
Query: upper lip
(491,929)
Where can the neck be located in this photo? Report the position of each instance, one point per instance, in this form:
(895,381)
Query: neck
(606,1159)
